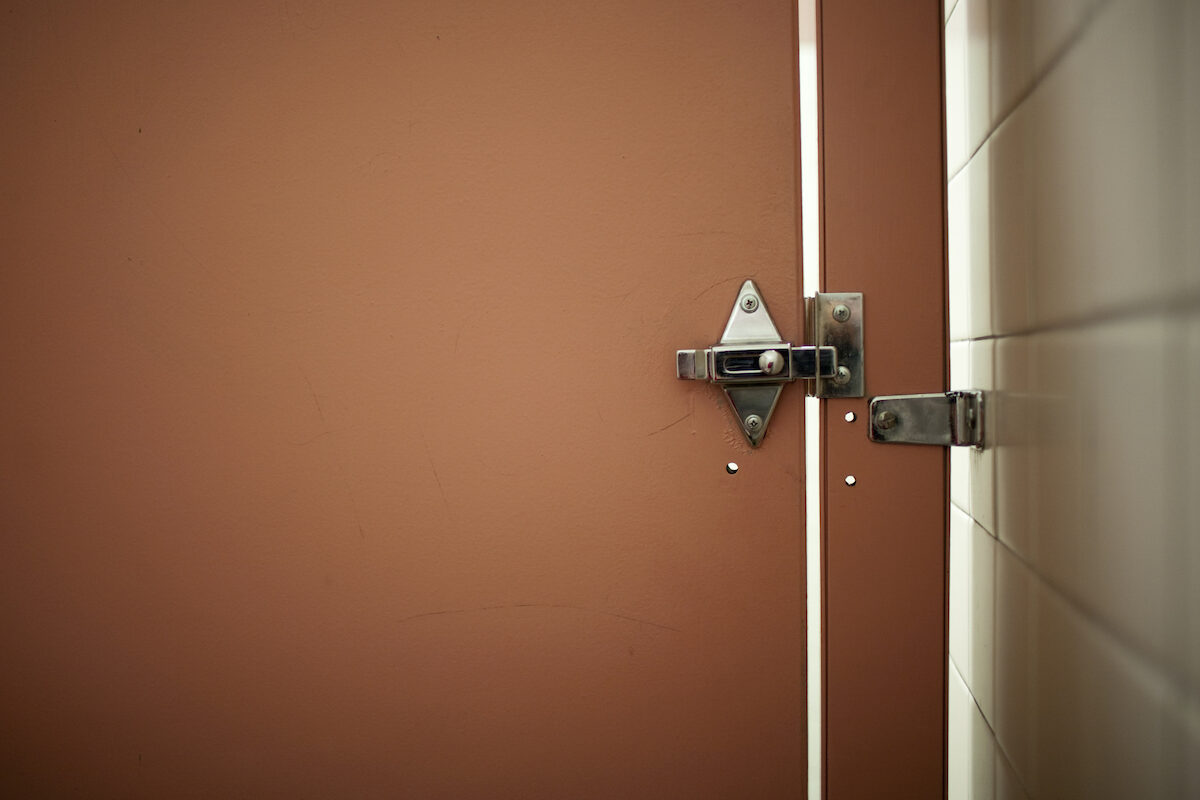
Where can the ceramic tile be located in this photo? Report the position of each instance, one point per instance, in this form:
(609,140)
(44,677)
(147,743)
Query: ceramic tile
(956,88)
(1104,186)
(958,247)
(1070,698)
(1099,475)
(1054,28)
(958,738)
(969,249)
(960,457)
(982,772)
(1009,420)
(981,599)
(1118,563)
(1180,578)
(1177,81)
(1011,223)
(971,746)
(1011,55)
(960,365)
(960,584)
(1191,143)
(1182,735)
(1008,787)
(978,106)
(1188,534)
(983,460)
(979,250)
(972,606)
(1053,456)
(1016,715)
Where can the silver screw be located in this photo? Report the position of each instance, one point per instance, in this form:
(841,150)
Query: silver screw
(885,420)
(753,422)
(750,304)
(841,312)
(842,377)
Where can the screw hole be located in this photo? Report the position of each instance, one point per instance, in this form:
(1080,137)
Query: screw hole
(851,480)
(850,416)
(731,468)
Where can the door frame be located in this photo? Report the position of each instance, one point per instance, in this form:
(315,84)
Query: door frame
(884,538)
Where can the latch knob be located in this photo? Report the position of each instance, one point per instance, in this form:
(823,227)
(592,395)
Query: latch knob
(771,362)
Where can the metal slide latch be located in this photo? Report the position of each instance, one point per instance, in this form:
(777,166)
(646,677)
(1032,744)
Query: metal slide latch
(752,362)
(945,418)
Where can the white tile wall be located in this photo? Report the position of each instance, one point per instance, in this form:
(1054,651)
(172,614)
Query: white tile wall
(983,461)
(1010,212)
(1077,712)
(978,89)
(1189,552)
(1073,160)
(956,90)
(970,249)
(972,745)
(972,605)
(1190,166)
(1008,785)
(1104,168)
(960,459)
(1010,55)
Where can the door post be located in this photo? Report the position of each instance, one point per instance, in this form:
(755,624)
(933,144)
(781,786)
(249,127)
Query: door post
(885,536)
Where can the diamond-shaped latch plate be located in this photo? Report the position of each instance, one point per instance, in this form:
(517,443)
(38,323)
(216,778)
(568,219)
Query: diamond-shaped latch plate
(752,362)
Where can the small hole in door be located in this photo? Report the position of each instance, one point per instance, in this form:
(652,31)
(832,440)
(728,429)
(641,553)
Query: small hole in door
(851,416)
(851,480)
(731,468)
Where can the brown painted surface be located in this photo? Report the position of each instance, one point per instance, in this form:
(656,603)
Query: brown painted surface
(342,453)
(885,537)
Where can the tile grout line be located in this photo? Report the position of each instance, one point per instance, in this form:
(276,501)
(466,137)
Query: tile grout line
(1051,64)
(1182,304)
(1169,676)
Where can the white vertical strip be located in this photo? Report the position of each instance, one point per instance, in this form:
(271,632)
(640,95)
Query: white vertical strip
(812,421)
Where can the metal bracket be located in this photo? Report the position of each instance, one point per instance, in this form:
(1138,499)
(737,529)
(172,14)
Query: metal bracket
(949,418)
(752,362)
(835,319)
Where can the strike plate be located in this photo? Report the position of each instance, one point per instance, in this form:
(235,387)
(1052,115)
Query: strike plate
(835,319)
(945,418)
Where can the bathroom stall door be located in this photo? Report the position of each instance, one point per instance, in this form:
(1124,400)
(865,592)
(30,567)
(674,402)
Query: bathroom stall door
(342,451)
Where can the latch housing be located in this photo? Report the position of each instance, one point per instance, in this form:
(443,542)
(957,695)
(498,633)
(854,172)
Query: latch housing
(752,362)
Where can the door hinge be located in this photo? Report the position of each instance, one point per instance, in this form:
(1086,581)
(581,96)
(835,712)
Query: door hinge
(945,418)
(752,362)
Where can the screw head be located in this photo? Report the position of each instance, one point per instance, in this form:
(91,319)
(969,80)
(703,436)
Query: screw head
(885,420)
(753,423)
(750,304)
(841,312)
(842,377)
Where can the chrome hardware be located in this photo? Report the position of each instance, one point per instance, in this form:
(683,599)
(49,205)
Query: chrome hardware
(949,418)
(752,362)
(836,320)
(771,362)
